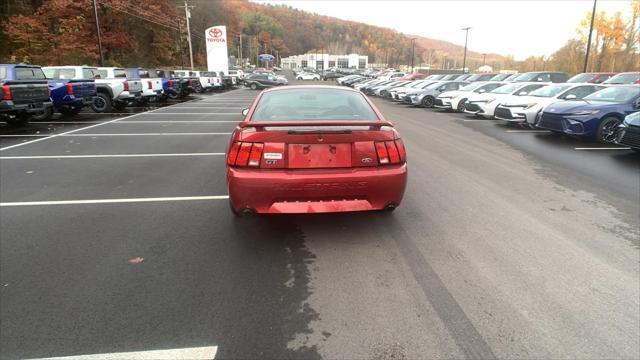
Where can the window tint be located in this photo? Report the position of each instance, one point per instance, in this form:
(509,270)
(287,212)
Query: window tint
(61,74)
(602,78)
(529,88)
(88,73)
(119,73)
(579,92)
(313,104)
(102,73)
(550,91)
(618,94)
(490,87)
(629,78)
(144,74)
(27,73)
(3,72)
(580,78)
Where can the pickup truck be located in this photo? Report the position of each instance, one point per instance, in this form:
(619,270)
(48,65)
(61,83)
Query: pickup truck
(114,92)
(209,80)
(151,84)
(24,91)
(171,85)
(189,81)
(68,95)
(131,89)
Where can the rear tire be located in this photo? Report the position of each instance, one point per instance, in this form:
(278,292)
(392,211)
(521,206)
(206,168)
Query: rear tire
(607,129)
(254,86)
(44,115)
(461,105)
(19,120)
(102,103)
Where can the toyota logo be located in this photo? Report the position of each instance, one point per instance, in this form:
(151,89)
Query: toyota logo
(215,33)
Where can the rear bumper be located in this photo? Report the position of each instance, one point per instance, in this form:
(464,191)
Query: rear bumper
(10,107)
(316,190)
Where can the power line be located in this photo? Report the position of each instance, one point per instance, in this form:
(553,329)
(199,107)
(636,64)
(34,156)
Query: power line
(139,16)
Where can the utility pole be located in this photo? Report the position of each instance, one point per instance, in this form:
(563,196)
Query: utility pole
(187,15)
(586,56)
(413,49)
(95,12)
(464,59)
(484,59)
(241,60)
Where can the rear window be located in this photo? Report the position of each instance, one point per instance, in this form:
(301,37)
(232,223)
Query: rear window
(119,73)
(28,73)
(313,105)
(59,74)
(581,78)
(618,94)
(88,73)
(624,79)
(3,72)
(103,74)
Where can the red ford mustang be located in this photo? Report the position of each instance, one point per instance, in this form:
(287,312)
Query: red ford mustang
(314,149)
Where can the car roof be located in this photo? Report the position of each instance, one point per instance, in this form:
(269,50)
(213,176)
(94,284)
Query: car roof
(297,87)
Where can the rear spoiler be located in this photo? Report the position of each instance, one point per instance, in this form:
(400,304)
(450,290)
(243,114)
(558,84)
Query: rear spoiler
(257,124)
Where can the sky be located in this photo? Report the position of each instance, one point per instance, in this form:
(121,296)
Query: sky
(520,28)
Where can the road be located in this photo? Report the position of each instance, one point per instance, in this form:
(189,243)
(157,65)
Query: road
(507,245)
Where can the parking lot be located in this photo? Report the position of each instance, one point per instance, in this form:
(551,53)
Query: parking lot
(510,243)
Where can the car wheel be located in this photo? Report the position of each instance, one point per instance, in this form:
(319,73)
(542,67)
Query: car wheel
(607,129)
(299,78)
(428,101)
(19,120)
(254,86)
(102,103)
(461,105)
(44,115)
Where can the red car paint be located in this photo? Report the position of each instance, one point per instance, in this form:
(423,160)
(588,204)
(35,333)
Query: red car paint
(272,168)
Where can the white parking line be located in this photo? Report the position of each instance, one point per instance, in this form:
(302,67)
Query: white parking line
(602,148)
(528,131)
(112,201)
(106,156)
(195,353)
(75,130)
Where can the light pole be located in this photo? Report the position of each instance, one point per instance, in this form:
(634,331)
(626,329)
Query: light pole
(413,49)
(586,56)
(187,16)
(464,59)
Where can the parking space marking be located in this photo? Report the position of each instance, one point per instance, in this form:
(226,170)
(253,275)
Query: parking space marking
(149,134)
(602,148)
(106,156)
(529,131)
(112,201)
(23,135)
(75,130)
(195,353)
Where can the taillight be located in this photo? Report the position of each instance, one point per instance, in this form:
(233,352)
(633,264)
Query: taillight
(149,84)
(126,85)
(171,83)
(69,89)
(390,152)
(6,90)
(190,82)
(245,154)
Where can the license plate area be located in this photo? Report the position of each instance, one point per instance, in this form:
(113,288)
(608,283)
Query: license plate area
(311,156)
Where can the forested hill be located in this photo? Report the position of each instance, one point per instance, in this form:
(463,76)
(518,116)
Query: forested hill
(63,31)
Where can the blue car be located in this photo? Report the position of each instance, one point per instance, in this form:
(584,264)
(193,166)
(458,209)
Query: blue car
(596,116)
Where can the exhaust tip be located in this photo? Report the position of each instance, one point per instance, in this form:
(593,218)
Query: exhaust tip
(390,207)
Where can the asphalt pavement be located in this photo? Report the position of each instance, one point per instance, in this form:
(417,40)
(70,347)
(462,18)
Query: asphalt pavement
(116,238)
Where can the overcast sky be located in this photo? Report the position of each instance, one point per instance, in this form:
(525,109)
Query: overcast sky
(517,27)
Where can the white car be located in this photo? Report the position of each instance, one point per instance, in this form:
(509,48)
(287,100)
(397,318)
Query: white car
(456,99)
(408,87)
(485,104)
(307,76)
(209,80)
(238,73)
(523,109)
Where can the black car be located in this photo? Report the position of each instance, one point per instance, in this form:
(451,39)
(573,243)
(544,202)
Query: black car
(628,133)
(330,75)
(261,81)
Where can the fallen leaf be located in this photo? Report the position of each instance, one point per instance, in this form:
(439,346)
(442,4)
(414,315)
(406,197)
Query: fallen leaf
(136,260)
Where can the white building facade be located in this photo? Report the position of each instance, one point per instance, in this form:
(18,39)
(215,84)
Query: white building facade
(325,61)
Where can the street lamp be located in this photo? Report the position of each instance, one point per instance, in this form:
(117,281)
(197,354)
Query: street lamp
(413,48)
(464,59)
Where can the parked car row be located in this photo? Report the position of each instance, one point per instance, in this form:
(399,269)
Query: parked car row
(589,105)
(33,92)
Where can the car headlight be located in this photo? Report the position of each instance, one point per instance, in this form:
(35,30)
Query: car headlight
(586,112)
(529,106)
(489,101)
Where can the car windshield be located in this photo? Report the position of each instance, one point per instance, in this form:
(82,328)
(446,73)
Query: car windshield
(624,79)
(617,94)
(416,84)
(472,86)
(313,104)
(527,77)
(549,91)
(581,78)
(434,85)
(500,77)
(506,89)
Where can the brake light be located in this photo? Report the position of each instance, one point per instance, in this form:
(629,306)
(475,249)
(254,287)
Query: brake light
(245,154)
(69,89)
(190,82)
(126,85)
(149,84)
(6,89)
(390,152)
(171,83)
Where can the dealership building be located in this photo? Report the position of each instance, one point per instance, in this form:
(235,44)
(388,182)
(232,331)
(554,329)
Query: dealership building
(325,61)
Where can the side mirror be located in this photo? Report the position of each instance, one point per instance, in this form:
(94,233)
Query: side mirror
(245,112)
(570,97)
(522,93)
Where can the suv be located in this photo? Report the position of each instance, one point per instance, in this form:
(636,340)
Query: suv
(261,81)
(23,91)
